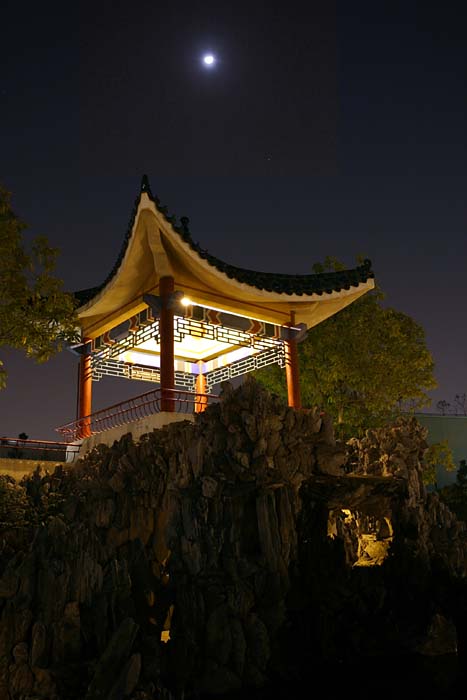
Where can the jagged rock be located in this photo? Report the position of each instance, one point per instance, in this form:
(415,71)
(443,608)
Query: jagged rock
(219,680)
(220,555)
(21,680)
(259,647)
(8,584)
(104,513)
(44,684)
(330,460)
(218,635)
(327,429)
(127,679)
(209,487)
(239,646)
(39,645)
(115,654)
(67,634)
(21,653)
(441,637)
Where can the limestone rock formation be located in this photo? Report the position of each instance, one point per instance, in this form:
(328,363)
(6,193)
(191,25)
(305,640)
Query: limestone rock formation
(230,555)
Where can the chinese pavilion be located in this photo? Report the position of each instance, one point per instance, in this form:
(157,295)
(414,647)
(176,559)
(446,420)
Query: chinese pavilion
(169,312)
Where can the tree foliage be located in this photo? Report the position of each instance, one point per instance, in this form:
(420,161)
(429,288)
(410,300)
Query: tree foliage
(36,315)
(439,454)
(455,495)
(363,365)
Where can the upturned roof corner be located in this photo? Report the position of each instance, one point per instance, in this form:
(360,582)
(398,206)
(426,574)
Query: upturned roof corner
(268,287)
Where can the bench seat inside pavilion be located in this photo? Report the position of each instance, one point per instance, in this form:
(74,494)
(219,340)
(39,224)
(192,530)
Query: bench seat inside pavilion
(172,314)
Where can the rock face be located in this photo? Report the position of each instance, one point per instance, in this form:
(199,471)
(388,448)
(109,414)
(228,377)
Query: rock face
(223,556)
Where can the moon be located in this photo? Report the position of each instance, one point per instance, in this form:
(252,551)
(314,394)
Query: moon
(208,59)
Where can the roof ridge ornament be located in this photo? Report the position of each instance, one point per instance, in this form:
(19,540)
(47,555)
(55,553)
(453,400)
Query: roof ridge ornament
(145,186)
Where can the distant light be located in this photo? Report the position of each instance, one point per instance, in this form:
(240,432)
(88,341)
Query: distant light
(185,301)
(208,59)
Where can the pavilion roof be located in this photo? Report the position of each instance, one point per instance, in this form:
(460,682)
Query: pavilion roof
(311,284)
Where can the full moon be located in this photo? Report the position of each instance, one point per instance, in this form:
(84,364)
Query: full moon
(208,59)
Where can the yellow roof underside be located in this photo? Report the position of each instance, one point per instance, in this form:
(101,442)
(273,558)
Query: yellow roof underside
(155,250)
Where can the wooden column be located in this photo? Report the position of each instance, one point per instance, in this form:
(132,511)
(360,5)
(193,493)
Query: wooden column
(200,388)
(291,369)
(166,327)
(85,395)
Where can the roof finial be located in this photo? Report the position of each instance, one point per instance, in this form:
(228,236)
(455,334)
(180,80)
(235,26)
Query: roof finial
(145,186)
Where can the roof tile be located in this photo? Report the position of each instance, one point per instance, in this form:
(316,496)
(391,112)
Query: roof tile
(316,283)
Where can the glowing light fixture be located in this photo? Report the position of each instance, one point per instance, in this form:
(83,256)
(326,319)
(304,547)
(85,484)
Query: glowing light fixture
(185,301)
(208,59)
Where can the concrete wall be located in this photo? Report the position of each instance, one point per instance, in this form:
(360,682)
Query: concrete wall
(17,468)
(137,428)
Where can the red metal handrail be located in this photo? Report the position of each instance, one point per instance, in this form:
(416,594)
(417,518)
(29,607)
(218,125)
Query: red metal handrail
(133,409)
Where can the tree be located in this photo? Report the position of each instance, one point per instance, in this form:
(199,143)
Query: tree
(437,454)
(460,401)
(443,407)
(363,365)
(455,495)
(36,315)
(16,452)
(458,408)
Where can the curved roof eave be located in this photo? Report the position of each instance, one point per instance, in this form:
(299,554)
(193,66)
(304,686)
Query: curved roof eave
(272,287)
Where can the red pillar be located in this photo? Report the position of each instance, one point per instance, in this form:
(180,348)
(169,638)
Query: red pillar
(166,327)
(291,369)
(85,395)
(201,401)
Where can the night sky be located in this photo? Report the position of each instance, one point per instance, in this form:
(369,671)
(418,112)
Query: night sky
(322,129)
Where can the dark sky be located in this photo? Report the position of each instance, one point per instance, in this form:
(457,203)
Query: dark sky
(324,129)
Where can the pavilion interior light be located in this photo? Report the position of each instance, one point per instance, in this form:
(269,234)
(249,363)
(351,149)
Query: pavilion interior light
(140,358)
(232,356)
(191,349)
(195,348)
(185,301)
